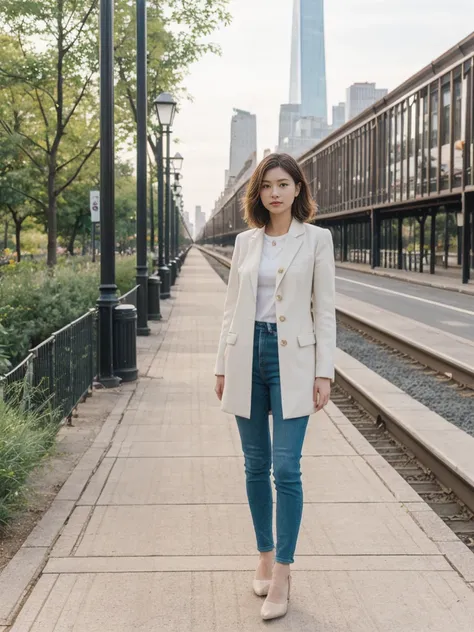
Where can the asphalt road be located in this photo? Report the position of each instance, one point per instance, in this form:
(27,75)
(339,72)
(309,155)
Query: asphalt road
(443,309)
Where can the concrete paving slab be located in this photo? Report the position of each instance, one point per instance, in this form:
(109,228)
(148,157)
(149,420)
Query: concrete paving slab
(342,529)
(174,439)
(349,601)
(342,480)
(401,490)
(16,578)
(71,532)
(46,531)
(361,529)
(206,563)
(175,481)
(460,557)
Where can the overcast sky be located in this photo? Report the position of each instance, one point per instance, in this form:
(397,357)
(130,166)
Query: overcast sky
(366,40)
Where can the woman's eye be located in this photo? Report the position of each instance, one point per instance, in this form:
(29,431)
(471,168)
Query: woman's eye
(284,184)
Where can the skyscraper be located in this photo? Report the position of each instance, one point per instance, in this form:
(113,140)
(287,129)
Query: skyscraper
(360,96)
(243,140)
(308,59)
(338,115)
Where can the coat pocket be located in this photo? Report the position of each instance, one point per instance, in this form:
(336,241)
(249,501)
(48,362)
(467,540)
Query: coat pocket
(306,339)
(231,338)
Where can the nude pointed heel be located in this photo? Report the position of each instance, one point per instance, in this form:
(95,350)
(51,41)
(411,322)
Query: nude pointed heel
(261,586)
(272,610)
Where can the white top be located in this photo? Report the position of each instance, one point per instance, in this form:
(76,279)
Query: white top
(267,274)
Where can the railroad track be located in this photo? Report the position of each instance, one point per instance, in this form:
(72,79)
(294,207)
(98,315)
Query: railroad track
(421,469)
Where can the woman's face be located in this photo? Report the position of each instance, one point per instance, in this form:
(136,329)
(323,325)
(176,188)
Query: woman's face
(278,191)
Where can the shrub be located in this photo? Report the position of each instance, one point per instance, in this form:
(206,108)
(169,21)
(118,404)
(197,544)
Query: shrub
(36,301)
(25,439)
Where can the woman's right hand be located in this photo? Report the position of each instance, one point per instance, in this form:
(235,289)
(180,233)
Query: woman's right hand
(220,380)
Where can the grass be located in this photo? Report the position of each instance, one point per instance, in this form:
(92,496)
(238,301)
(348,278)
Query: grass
(26,438)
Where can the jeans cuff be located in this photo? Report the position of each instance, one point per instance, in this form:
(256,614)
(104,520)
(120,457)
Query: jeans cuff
(265,549)
(282,561)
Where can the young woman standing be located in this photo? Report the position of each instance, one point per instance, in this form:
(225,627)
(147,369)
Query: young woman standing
(276,353)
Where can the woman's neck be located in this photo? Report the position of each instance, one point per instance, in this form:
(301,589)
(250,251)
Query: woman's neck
(279,225)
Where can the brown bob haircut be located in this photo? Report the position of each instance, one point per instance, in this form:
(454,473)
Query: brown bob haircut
(255,214)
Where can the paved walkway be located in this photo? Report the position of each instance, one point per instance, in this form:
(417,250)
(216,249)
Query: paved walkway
(160,538)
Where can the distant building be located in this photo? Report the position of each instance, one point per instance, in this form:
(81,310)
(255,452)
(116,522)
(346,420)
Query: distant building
(188,222)
(289,115)
(338,115)
(243,140)
(361,96)
(199,220)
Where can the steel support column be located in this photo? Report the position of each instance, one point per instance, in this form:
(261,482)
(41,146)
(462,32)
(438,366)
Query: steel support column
(467,213)
(400,243)
(446,238)
(422,222)
(345,239)
(375,240)
(433,242)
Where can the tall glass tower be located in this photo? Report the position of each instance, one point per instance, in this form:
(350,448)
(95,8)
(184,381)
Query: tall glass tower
(308,59)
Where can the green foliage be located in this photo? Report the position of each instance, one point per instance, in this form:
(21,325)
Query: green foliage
(25,439)
(35,302)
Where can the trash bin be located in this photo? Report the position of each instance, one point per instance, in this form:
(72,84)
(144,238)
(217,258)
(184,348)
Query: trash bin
(154,283)
(125,342)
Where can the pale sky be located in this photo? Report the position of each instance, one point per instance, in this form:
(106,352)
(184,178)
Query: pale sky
(366,40)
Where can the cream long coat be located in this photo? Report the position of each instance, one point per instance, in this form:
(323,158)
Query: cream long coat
(305,311)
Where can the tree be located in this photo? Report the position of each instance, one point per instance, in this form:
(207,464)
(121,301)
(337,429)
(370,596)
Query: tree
(177,37)
(49,80)
(16,182)
(50,62)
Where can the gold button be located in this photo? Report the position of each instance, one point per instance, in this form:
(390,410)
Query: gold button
(282,319)
(280,271)
(283,343)
(279,297)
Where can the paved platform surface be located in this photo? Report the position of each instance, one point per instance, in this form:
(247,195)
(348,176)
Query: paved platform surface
(160,538)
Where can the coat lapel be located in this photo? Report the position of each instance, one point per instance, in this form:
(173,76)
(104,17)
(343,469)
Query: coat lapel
(292,245)
(254,255)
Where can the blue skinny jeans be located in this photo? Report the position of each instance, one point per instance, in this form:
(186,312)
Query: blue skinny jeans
(288,437)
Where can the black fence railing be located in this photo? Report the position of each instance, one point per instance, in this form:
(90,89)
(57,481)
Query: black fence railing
(59,371)
(130,297)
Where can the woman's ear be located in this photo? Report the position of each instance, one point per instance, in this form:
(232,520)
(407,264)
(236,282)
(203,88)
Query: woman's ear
(298,189)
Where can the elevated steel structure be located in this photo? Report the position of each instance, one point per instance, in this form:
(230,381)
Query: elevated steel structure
(410,155)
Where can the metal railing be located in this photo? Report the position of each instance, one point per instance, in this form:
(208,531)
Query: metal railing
(130,297)
(59,371)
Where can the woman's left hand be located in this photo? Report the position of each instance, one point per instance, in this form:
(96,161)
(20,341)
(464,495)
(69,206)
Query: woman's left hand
(321,392)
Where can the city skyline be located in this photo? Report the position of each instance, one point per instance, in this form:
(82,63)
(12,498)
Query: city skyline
(254,69)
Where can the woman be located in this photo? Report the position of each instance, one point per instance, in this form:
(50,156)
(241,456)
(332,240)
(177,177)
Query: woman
(276,353)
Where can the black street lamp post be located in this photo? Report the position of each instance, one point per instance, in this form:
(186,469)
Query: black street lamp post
(163,269)
(152,223)
(178,165)
(165,106)
(108,290)
(142,266)
(178,200)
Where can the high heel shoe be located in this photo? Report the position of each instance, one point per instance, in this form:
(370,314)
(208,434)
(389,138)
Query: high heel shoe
(272,610)
(261,586)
